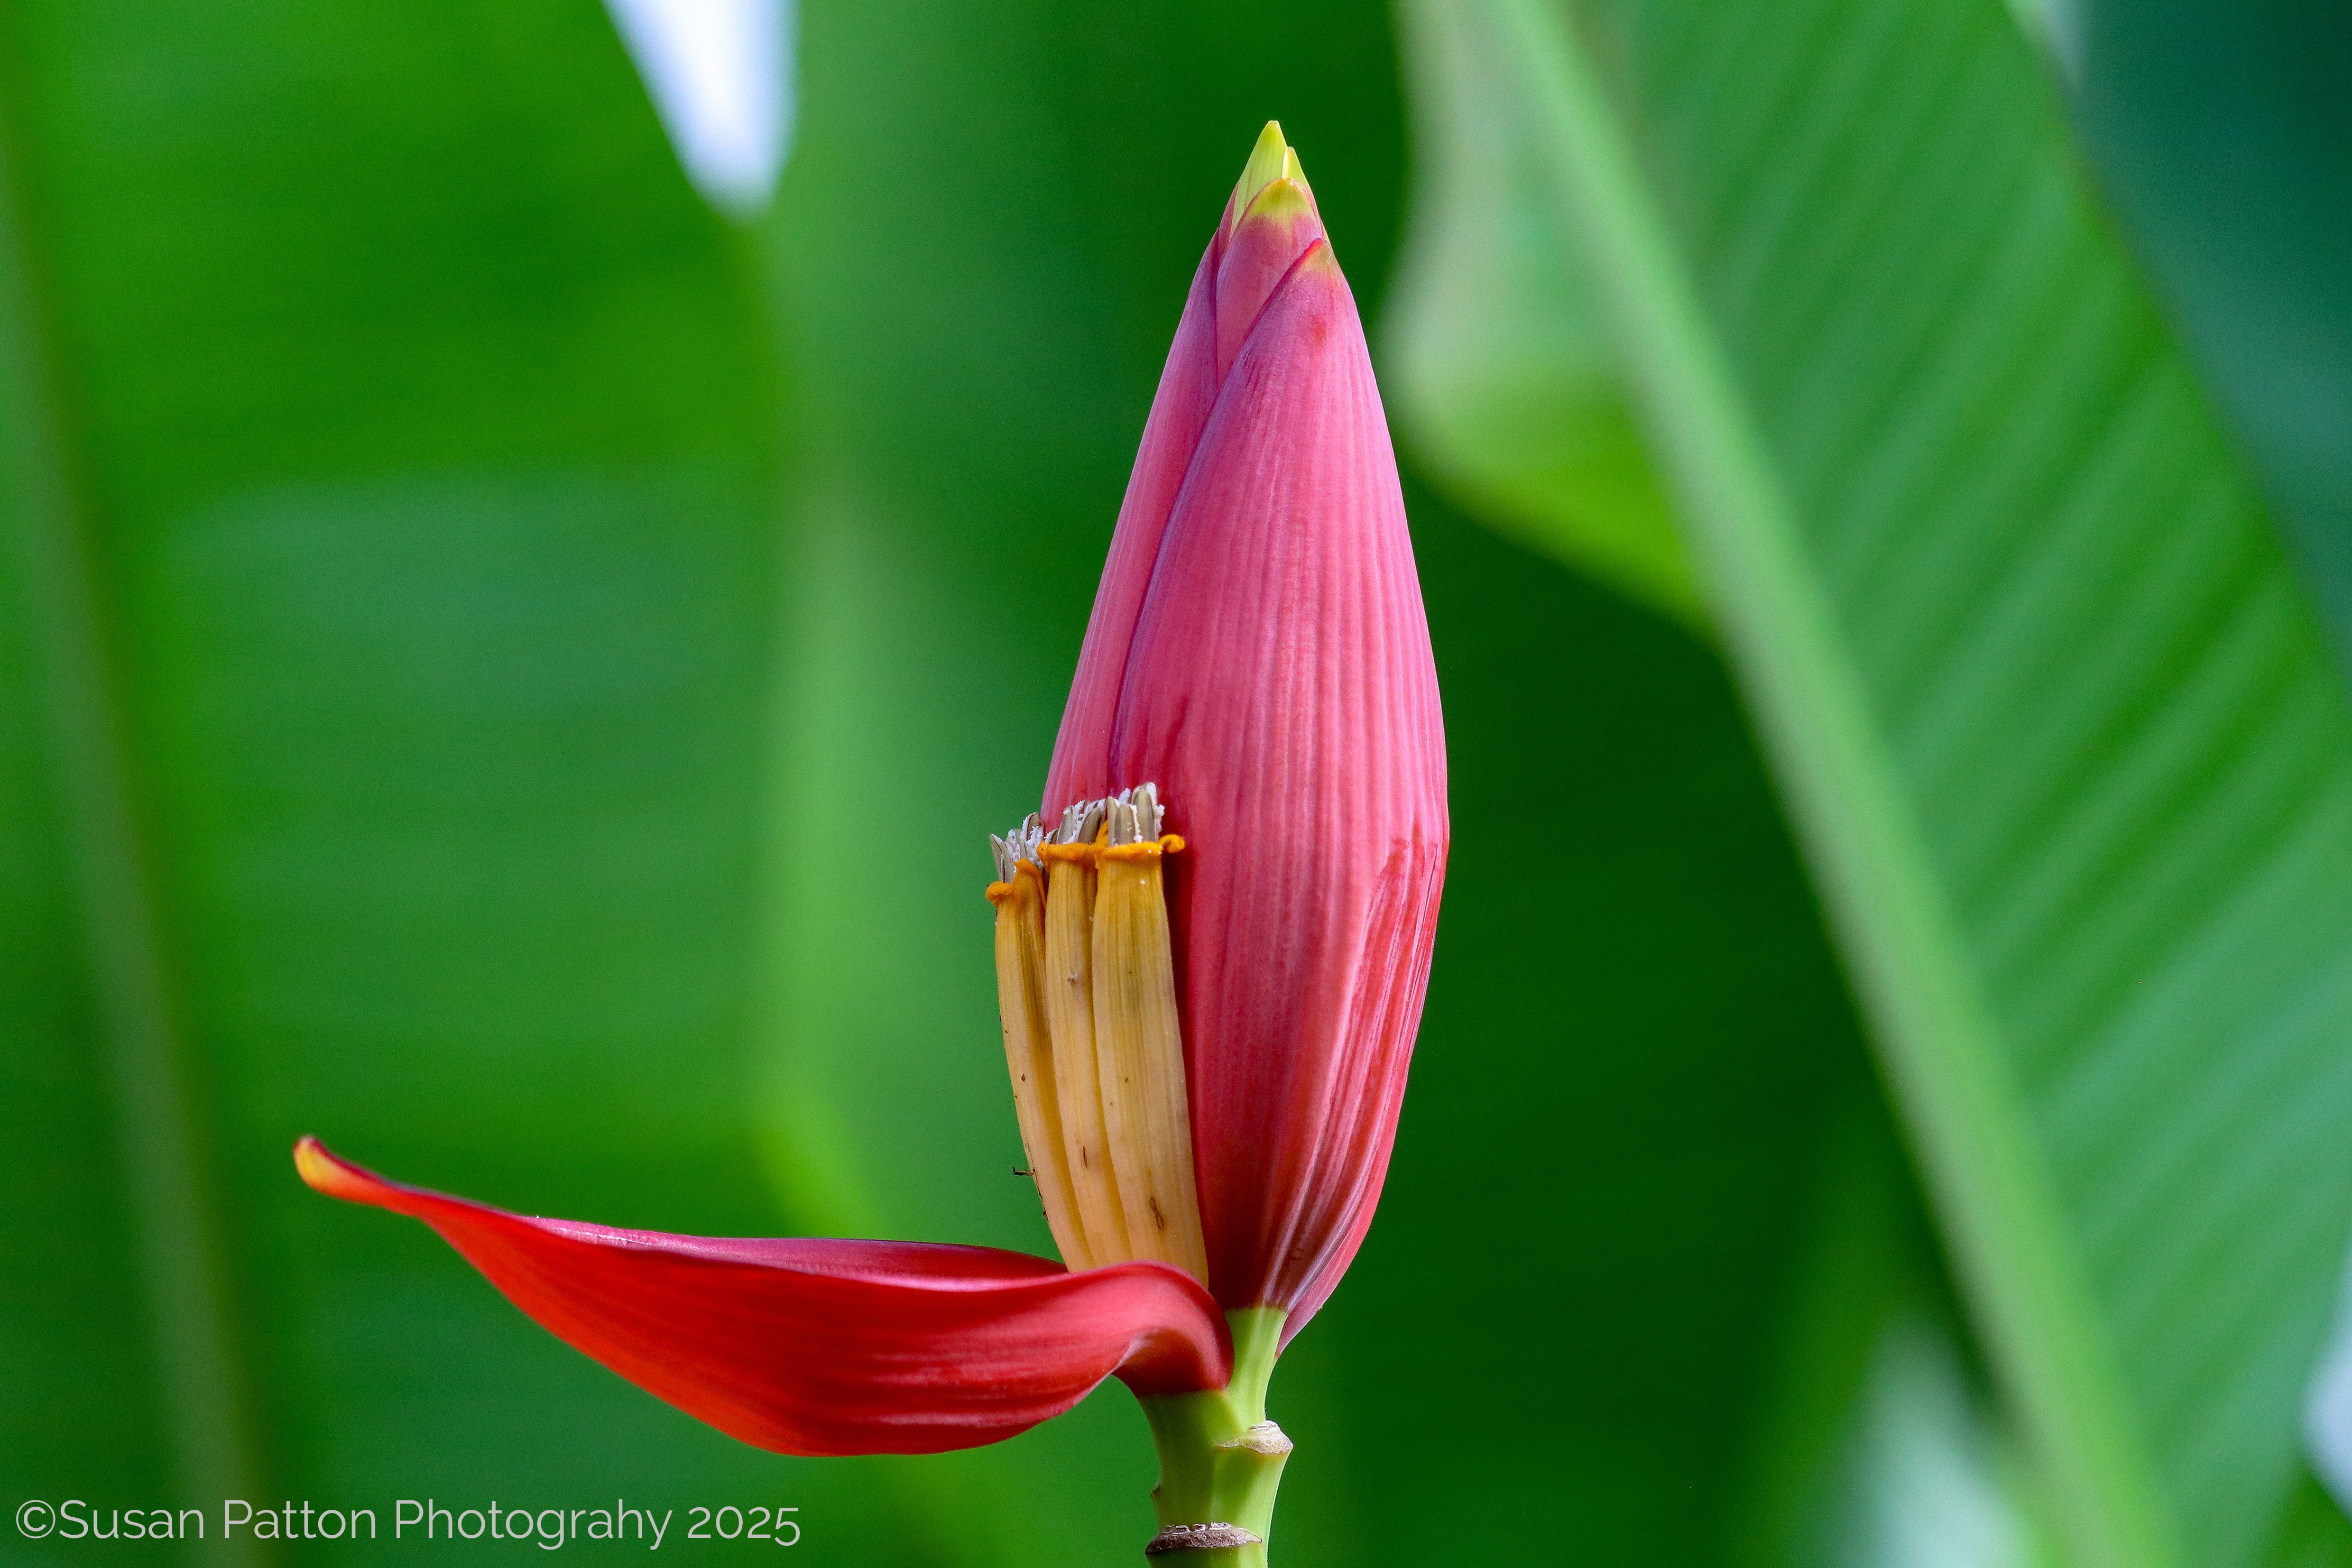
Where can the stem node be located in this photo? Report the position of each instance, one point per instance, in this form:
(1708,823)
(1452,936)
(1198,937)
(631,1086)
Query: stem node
(1219,1459)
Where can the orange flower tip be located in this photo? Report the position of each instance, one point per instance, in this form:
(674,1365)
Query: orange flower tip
(1014,849)
(1079,825)
(1132,821)
(326,1174)
(1135,817)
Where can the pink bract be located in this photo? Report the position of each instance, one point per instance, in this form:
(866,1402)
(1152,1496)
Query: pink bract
(1258,650)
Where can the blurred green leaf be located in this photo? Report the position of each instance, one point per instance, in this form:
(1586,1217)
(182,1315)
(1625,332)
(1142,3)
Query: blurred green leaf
(2314,1533)
(414,424)
(2219,136)
(2218,132)
(1499,365)
(112,1207)
(2056,726)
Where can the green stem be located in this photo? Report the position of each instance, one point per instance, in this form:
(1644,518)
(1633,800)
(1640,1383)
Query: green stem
(1219,1459)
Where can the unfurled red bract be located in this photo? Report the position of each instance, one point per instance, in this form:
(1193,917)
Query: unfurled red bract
(809,1345)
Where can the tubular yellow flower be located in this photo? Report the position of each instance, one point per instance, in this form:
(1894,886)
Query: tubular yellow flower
(1020,899)
(1092,1035)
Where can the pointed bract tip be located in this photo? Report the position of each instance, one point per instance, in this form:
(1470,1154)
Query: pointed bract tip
(1269,161)
(326,1174)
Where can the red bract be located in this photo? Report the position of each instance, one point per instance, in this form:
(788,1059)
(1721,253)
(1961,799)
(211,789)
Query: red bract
(1258,650)
(813,1346)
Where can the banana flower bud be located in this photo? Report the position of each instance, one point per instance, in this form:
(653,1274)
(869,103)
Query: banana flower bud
(1213,944)
(1257,676)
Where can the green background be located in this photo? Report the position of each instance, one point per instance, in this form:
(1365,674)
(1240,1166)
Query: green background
(546,658)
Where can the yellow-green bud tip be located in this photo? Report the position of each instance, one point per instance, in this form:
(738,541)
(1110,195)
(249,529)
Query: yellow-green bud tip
(1269,161)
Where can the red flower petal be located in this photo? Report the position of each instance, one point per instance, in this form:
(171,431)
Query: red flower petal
(815,1346)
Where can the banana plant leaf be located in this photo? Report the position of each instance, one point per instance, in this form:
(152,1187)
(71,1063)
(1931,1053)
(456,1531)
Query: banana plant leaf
(389,469)
(2219,135)
(2216,134)
(2048,707)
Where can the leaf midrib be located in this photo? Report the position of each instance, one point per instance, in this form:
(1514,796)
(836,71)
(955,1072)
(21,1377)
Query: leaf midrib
(1934,1033)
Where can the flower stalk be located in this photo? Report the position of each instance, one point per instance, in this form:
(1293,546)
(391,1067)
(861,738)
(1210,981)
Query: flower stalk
(1219,1459)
